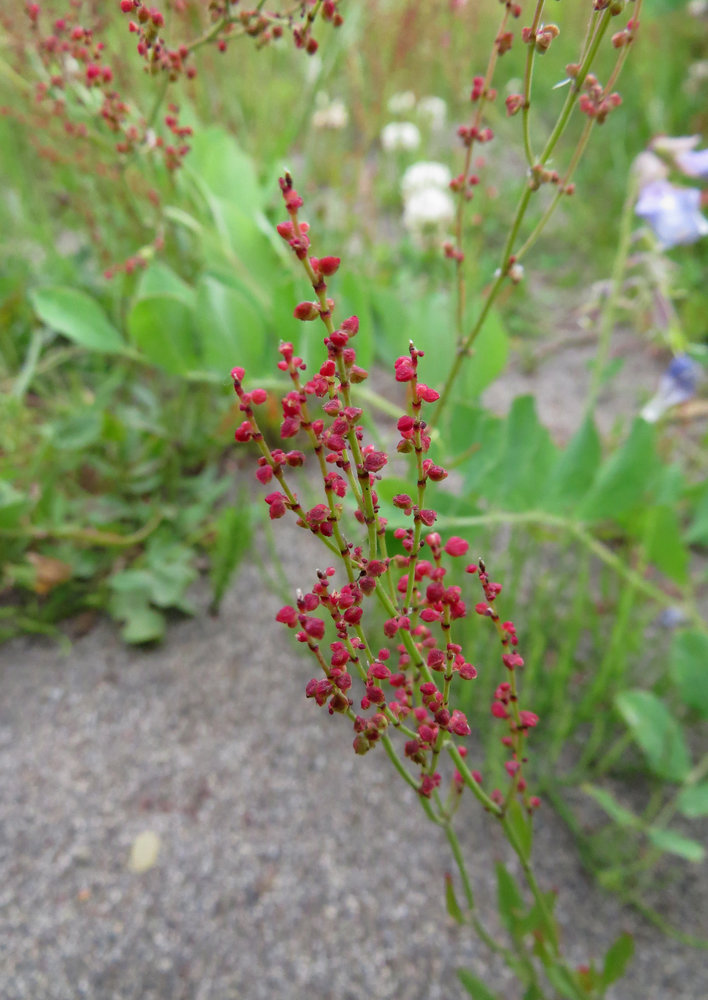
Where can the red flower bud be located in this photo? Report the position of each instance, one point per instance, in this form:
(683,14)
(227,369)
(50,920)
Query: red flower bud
(306,311)
(328,265)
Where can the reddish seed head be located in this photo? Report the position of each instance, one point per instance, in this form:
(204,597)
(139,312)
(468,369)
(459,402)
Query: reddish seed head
(456,546)
(328,265)
(287,616)
(306,311)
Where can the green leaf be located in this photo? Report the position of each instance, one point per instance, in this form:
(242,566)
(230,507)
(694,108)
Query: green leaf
(687,665)
(607,801)
(79,430)
(664,546)
(475,987)
(692,801)
(510,902)
(353,297)
(475,437)
(625,478)
(676,843)
(490,354)
(697,533)
(231,540)
(224,167)
(130,604)
(575,469)
(453,907)
(617,958)
(230,328)
(13,504)
(564,982)
(520,822)
(159,279)
(657,733)
(78,317)
(526,455)
(162,328)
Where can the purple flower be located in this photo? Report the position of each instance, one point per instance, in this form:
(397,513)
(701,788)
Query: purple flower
(693,162)
(677,384)
(673,213)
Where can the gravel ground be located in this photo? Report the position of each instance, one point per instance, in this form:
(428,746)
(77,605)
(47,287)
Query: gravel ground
(289,868)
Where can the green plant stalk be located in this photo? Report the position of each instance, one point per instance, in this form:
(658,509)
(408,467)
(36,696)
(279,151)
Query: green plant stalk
(528,80)
(583,535)
(464,346)
(89,536)
(609,308)
(539,899)
(459,214)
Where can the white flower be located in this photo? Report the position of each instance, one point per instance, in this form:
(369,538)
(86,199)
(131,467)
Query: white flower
(428,209)
(401,104)
(423,175)
(648,168)
(672,212)
(673,144)
(400,135)
(332,114)
(433,110)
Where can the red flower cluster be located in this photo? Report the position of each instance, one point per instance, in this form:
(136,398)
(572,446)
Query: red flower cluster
(408,685)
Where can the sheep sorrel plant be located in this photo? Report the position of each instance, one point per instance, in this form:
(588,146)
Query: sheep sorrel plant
(397,679)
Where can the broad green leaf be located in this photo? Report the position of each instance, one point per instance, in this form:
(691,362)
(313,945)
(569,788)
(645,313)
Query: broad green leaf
(142,623)
(607,801)
(617,958)
(426,320)
(657,733)
(475,987)
(475,437)
(692,801)
(697,533)
(78,317)
(520,822)
(216,158)
(253,259)
(231,540)
(510,901)
(230,329)
(453,907)
(676,843)
(688,661)
(574,471)
(625,478)
(526,454)
(159,279)
(490,354)
(353,298)
(664,546)
(162,328)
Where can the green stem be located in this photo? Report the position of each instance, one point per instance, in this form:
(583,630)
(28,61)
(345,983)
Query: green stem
(609,309)
(582,534)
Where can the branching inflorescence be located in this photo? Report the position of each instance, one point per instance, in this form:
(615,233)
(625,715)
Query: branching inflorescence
(408,685)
